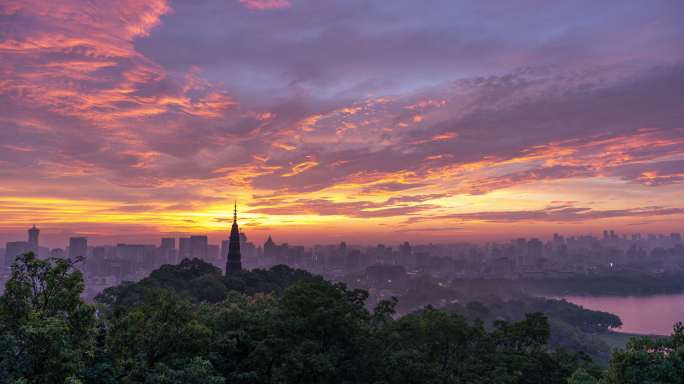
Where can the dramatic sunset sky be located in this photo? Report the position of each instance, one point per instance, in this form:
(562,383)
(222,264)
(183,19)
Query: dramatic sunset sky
(369,121)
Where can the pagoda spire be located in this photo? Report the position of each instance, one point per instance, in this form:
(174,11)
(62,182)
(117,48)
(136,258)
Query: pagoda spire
(234,262)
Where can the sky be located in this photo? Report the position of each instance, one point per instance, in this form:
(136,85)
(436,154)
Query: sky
(358,120)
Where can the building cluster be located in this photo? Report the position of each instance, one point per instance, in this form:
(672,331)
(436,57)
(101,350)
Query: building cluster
(107,265)
(380,266)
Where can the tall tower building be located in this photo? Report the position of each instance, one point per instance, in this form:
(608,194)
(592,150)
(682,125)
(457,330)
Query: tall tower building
(184,249)
(199,246)
(168,243)
(234,263)
(78,247)
(167,251)
(13,250)
(33,234)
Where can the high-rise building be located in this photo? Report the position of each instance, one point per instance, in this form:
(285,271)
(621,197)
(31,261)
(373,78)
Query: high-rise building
(139,256)
(199,246)
(406,256)
(168,243)
(353,260)
(57,252)
(534,251)
(167,251)
(234,263)
(248,252)
(213,254)
(33,234)
(96,264)
(78,247)
(14,249)
(184,249)
(270,251)
(224,249)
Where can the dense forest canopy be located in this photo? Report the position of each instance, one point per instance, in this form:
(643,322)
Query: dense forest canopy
(188,323)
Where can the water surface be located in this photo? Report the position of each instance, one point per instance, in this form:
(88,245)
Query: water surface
(651,315)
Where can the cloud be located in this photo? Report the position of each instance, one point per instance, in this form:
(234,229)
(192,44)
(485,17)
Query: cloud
(431,229)
(325,207)
(150,110)
(652,173)
(354,48)
(391,187)
(563,214)
(265,5)
(486,185)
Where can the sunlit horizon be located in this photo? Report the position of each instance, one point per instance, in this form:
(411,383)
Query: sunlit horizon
(353,121)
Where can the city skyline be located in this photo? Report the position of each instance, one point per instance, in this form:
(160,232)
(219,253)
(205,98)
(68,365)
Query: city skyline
(348,120)
(383,265)
(32,241)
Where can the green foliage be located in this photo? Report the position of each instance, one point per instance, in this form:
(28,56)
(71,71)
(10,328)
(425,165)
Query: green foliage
(524,336)
(581,376)
(194,279)
(274,280)
(190,324)
(163,327)
(433,346)
(46,331)
(649,361)
(193,371)
(571,326)
(202,282)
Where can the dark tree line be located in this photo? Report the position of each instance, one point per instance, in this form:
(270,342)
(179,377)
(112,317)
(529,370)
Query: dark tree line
(189,324)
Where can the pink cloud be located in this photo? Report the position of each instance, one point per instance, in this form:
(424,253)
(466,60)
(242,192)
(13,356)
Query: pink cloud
(128,102)
(265,5)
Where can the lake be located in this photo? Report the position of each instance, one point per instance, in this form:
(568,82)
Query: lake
(651,315)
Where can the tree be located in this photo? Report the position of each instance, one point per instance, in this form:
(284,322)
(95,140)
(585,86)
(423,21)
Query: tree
(325,326)
(46,330)
(529,335)
(195,279)
(581,376)
(100,369)
(188,324)
(433,346)
(161,329)
(645,360)
(194,371)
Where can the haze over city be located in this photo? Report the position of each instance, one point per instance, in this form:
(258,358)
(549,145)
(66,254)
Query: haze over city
(362,121)
(341,191)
